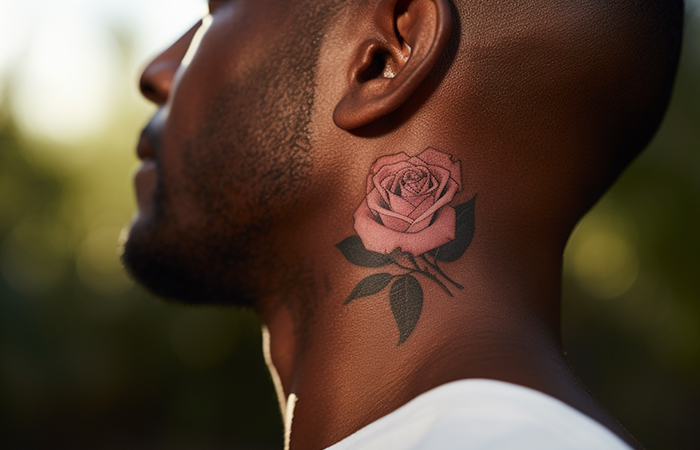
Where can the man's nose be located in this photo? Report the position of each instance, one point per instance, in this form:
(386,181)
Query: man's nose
(157,79)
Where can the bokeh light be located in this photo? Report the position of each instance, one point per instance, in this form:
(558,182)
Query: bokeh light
(602,254)
(64,85)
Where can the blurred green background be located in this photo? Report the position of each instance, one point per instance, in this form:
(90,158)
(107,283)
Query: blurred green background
(88,360)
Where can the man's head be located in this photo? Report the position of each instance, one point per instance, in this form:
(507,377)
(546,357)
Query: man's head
(259,152)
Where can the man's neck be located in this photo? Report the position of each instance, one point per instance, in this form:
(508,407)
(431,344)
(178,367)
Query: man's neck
(345,369)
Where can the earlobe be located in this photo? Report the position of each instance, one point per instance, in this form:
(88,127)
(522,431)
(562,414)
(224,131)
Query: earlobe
(405,42)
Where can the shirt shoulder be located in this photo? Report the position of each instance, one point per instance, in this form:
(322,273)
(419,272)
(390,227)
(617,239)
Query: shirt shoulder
(481,414)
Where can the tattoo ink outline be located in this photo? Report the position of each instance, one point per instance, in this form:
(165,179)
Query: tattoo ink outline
(422,178)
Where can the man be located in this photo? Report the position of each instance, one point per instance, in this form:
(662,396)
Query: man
(390,184)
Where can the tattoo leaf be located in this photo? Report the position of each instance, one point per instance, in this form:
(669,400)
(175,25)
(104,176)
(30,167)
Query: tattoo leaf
(406,298)
(355,252)
(464,232)
(370,286)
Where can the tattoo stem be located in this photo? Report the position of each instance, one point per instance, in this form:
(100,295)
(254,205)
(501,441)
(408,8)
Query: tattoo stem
(437,268)
(404,267)
(424,272)
(435,279)
(413,260)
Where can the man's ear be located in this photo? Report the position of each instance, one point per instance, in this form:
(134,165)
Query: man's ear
(406,39)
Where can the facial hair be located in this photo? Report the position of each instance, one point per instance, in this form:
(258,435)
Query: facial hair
(244,168)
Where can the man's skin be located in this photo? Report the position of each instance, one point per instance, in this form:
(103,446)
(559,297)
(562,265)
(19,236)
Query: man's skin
(259,155)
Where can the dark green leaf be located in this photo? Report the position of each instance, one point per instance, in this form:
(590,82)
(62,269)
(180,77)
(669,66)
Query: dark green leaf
(406,298)
(355,252)
(464,232)
(370,286)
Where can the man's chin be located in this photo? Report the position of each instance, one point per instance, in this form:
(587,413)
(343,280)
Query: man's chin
(174,269)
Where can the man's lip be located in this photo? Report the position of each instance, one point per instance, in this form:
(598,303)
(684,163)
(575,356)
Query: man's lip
(149,141)
(148,165)
(144,150)
(145,183)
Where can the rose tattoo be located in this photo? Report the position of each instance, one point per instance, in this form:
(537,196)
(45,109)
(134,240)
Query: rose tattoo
(406,222)
(407,203)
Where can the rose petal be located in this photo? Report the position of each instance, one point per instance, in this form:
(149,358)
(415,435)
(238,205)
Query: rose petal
(406,186)
(434,184)
(420,186)
(435,157)
(418,226)
(385,172)
(399,205)
(387,161)
(447,197)
(405,192)
(417,200)
(387,183)
(374,202)
(401,173)
(441,176)
(422,208)
(394,223)
(378,238)
(418,213)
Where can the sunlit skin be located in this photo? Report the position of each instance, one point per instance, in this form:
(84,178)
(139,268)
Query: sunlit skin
(259,155)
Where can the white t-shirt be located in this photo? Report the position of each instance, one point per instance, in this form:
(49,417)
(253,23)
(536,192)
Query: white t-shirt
(481,414)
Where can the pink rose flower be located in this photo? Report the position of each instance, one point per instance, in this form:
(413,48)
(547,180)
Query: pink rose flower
(407,203)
